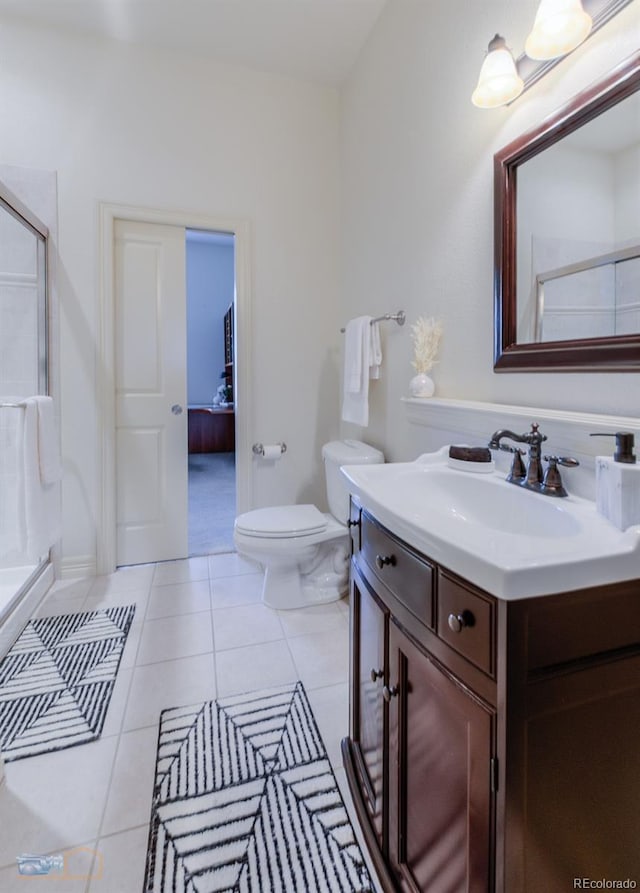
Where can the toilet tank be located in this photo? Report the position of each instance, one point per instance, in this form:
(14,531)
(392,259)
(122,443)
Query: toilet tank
(344,452)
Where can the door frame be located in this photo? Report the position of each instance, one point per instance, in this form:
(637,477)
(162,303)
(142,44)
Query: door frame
(105,369)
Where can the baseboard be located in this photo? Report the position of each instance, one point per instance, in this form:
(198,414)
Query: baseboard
(75,566)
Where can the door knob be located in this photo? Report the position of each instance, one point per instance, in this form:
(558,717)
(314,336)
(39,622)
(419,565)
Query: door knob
(376,674)
(176,409)
(388,693)
(383,560)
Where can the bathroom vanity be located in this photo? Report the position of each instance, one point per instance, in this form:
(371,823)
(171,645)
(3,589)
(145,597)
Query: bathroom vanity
(494,741)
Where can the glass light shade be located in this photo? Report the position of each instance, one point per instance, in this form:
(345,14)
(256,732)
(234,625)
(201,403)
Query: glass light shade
(560,26)
(499,81)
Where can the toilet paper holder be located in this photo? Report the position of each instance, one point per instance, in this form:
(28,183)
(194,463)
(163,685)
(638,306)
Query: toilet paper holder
(258,448)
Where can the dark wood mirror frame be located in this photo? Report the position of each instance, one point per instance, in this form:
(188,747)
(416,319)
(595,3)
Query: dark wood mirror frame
(611,354)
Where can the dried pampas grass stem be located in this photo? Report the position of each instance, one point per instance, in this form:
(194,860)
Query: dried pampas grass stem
(426,334)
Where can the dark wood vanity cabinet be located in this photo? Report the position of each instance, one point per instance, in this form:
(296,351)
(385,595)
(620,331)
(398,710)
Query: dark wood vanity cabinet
(494,745)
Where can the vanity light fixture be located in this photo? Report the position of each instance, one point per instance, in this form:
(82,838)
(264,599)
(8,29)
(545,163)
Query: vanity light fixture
(560,26)
(499,81)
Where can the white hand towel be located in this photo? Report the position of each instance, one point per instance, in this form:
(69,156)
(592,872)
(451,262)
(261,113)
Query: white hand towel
(41,513)
(48,449)
(375,355)
(355,403)
(12,531)
(357,330)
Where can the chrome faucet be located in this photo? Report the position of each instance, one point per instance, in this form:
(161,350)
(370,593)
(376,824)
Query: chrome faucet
(532,477)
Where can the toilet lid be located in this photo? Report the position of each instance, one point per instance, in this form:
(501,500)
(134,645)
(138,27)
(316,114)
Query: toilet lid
(282,521)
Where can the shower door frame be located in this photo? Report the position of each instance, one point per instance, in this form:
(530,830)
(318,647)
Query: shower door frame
(19,608)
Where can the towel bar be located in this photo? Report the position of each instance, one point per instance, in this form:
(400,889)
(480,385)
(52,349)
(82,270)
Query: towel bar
(399,317)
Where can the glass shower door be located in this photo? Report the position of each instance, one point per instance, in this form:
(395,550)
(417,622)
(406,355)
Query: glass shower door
(23,374)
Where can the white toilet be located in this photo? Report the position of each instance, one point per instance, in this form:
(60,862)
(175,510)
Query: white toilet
(305,553)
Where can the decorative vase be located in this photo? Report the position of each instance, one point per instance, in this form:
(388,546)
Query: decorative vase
(421,385)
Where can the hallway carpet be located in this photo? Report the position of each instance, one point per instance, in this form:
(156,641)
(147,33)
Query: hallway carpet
(212,502)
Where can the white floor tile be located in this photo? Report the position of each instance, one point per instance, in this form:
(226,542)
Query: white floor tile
(130,651)
(125,578)
(77,867)
(254,667)
(118,703)
(314,619)
(129,800)
(48,803)
(228,592)
(123,861)
(330,708)
(321,658)
(170,684)
(228,564)
(73,588)
(245,625)
(181,571)
(178,598)
(169,638)
(115,598)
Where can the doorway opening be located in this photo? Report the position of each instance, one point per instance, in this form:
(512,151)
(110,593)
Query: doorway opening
(211,289)
(117,490)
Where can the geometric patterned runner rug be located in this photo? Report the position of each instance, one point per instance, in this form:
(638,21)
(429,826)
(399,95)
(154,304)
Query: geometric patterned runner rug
(245,800)
(57,679)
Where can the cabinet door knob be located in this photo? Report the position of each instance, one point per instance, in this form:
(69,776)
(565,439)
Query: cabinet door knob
(388,693)
(352,523)
(457,622)
(376,674)
(382,560)
(176,409)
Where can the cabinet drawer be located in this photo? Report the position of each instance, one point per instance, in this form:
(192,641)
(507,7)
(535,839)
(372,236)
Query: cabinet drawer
(409,577)
(466,622)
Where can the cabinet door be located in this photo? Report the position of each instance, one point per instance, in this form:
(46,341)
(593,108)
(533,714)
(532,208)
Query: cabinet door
(369,717)
(440,741)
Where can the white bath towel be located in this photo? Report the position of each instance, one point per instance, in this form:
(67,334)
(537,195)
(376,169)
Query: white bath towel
(362,360)
(39,511)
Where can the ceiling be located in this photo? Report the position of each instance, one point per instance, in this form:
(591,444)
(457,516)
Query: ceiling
(318,40)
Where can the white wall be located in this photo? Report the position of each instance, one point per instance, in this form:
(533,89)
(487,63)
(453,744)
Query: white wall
(417,175)
(170,131)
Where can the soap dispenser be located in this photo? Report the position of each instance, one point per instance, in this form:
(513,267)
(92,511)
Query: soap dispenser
(618,482)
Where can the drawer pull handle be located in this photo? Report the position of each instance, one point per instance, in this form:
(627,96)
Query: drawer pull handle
(457,622)
(388,693)
(376,674)
(382,560)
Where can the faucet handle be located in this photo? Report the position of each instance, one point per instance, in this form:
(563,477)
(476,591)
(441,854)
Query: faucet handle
(552,483)
(567,461)
(518,472)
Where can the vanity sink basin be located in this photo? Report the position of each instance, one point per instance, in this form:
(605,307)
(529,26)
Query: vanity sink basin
(512,542)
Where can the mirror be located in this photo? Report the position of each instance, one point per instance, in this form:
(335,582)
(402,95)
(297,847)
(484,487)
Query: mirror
(567,235)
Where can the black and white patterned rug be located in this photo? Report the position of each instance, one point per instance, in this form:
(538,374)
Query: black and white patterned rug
(245,800)
(56,681)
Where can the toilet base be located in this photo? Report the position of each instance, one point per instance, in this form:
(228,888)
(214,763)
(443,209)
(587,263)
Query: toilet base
(308,574)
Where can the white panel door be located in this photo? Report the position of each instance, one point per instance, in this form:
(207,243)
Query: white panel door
(151,392)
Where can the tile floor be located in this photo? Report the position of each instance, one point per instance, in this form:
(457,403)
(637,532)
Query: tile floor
(200,631)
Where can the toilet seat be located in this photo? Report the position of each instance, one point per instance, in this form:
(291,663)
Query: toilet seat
(282,521)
